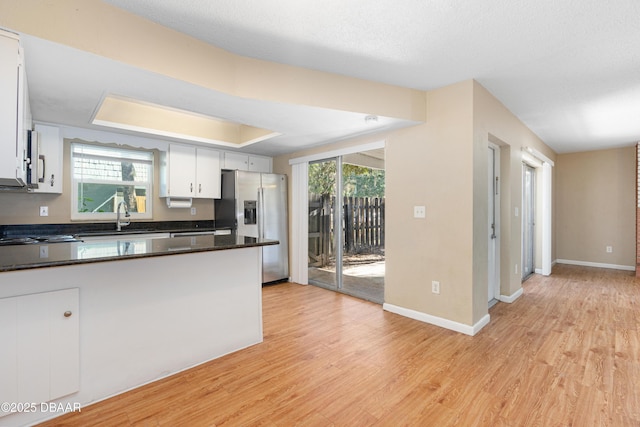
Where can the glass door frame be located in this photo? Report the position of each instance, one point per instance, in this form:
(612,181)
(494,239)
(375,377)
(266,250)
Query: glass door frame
(300,205)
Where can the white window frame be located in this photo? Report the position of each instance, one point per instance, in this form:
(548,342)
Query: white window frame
(111,216)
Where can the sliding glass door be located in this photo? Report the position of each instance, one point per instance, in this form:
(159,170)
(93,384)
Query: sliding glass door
(346,224)
(322,223)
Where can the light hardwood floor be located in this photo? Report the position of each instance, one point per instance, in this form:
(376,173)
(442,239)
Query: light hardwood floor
(566,353)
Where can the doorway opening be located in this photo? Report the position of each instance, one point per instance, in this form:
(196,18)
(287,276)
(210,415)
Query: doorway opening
(528,220)
(346,224)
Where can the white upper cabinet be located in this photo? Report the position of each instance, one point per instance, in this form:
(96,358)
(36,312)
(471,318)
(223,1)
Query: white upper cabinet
(49,159)
(190,172)
(14,112)
(259,164)
(207,173)
(246,162)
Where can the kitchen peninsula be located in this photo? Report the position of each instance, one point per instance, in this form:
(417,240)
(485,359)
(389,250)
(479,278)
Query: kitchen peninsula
(89,320)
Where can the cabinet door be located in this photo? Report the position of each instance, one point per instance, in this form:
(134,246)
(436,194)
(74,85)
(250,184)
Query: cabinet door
(50,160)
(181,171)
(9,352)
(236,161)
(33,348)
(64,333)
(10,167)
(207,173)
(40,357)
(259,164)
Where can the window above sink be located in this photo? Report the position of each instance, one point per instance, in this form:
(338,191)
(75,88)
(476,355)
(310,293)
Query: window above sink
(104,176)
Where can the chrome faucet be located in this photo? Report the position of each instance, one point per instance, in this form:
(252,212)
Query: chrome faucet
(120,224)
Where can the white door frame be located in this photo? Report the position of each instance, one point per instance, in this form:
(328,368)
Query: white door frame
(545,231)
(529,202)
(494,192)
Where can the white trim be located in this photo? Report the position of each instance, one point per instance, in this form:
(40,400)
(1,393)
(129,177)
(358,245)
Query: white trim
(299,223)
(597,264)
(340,152)
(438,321)
(547,200)
(511,298)
(530,160)
(538,155)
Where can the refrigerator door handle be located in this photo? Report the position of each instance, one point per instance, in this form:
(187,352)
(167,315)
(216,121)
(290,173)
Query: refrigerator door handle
(261,213)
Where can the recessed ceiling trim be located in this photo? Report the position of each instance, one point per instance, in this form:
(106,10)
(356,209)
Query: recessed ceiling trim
(124,113)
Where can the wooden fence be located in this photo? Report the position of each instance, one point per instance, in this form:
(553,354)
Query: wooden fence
(363,226)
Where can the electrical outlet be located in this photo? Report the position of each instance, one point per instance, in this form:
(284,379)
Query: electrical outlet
(44,251)
(44,210)
(419,212)
(193,211)
(435,287)
(609,249)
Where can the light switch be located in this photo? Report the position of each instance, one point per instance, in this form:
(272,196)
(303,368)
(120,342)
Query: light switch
(419,212)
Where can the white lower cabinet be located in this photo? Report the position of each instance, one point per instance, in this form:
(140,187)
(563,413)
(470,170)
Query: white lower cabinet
(40,357)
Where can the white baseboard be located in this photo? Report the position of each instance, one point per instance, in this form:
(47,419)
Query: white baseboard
(597,264)
(511,298)
(438,321)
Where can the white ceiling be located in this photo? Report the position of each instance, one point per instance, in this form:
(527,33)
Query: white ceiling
(569,69)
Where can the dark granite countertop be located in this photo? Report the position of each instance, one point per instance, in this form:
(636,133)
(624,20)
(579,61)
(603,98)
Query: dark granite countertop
(22,257)
(104,228)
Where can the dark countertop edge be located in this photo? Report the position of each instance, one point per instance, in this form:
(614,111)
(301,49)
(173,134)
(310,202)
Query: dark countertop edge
(106,228)
(22,267)
(134,232)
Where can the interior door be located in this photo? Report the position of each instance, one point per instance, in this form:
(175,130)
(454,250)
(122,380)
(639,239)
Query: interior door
(528,221)
(493,266)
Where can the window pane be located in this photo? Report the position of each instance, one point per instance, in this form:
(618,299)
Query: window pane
(105,176)
(104,198)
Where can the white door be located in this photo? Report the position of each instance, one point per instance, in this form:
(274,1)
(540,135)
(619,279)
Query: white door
(493,266)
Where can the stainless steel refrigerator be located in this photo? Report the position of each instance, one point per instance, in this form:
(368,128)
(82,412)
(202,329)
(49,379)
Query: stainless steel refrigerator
(255,204)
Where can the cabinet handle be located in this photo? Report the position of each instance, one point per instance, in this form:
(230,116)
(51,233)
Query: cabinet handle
(191,188)
(67,314)
(199,188)
(44,167)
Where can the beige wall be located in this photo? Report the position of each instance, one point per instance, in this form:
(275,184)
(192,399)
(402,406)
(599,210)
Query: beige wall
(442,165)
(430,165)
(24,208)
(494,122)
(596,206)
